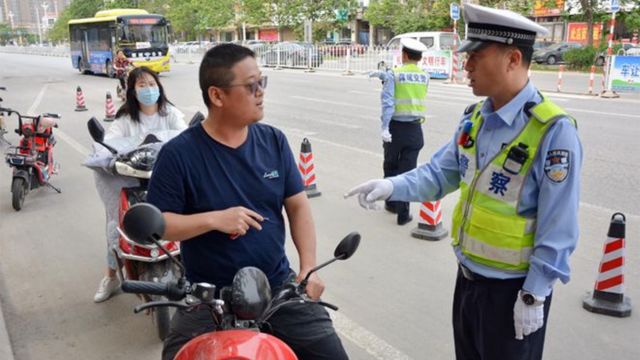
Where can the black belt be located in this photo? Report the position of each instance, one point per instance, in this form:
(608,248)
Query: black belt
(416,122)
(470,275)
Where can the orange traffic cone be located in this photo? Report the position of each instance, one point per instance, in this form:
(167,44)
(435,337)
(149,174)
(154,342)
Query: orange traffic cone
(110,109)
(430,222)
(608,294)
(307,168)
(80,100)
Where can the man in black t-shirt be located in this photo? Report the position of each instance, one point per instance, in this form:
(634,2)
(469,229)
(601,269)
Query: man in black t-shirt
(221,186)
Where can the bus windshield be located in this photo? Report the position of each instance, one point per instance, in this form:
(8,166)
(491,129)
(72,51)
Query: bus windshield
(155,35)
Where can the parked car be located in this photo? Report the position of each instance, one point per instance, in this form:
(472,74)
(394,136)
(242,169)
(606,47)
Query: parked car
(629,49)
(553,54)
(341,48)
(290,54)
(541,45)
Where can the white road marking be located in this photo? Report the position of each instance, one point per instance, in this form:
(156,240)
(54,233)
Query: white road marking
(58,133)
(330,102)
(375,346)
(303,133)
(602,113)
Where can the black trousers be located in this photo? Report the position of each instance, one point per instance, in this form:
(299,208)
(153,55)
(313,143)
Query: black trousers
(401,155)
(483,321)
(306,328)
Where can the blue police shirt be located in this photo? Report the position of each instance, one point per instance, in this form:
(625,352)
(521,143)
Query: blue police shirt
(554,202)
(387,97)
(194,173)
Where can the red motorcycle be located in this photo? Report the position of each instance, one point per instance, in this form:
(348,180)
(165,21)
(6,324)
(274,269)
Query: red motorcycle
(32,160)
(141,261)
(240,310)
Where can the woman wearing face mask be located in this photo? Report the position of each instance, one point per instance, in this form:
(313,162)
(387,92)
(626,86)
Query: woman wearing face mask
(145,110)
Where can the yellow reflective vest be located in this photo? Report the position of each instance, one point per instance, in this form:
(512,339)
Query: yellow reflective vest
(486,224)
(410,91)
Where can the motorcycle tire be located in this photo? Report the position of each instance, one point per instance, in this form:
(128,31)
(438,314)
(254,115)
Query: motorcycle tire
(17,193)
(163,272)
(162,318)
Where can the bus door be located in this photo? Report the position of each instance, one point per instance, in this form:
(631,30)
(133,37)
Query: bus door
(84,48)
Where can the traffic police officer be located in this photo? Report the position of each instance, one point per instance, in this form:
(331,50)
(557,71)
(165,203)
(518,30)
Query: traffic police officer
(516,159)
(403,110)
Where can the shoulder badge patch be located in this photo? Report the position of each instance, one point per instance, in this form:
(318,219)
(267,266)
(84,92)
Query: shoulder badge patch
(556,165)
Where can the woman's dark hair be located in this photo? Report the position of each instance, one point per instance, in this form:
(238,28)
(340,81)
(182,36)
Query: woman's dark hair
(131,106)
(215,68)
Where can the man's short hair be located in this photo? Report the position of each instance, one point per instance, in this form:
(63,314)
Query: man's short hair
(526,51)
(215,68)
(412,55)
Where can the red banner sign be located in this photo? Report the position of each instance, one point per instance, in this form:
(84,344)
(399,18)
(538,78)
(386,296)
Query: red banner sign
(577,32)
(542,8)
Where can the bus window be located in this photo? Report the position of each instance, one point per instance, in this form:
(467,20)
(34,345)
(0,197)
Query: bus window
(427,41)
(105,38)
(446,41)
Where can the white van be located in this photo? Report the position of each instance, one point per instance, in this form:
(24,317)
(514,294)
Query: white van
(436,60)
(433,40)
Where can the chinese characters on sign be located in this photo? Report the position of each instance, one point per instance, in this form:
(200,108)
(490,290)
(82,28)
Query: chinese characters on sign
(625,74)
(540,8)
(577,32)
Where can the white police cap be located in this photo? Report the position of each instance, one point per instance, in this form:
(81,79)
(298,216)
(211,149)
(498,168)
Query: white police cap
(486,25)
(413,45)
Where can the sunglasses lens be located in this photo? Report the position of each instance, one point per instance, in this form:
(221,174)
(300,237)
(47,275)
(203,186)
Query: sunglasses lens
(263,82)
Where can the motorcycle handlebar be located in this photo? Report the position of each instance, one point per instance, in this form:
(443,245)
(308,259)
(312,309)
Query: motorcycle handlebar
(171,290)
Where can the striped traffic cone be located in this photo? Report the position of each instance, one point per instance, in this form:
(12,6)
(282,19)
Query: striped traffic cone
(110,109)
(608,294)
(430,222)
(80,100)
(307,169)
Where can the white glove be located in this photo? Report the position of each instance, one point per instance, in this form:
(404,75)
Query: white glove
(527,319)
(386,135)
(370,192)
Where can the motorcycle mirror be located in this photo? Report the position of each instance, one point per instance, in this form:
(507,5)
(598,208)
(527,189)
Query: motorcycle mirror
(347,246)
(343,251)
(97,134)
(96,130)
(143,223)
(196,119)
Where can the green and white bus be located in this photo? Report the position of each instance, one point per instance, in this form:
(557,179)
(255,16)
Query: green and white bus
(142,37)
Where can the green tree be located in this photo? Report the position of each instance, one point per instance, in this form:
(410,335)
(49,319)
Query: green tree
(194,17)
(77,9)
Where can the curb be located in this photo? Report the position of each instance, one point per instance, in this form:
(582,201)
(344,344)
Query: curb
(6,352)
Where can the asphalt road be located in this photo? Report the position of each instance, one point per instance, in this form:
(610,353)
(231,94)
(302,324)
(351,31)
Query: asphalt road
(394,294)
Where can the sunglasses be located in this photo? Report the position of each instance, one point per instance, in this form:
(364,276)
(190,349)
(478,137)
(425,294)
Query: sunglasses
(252,86)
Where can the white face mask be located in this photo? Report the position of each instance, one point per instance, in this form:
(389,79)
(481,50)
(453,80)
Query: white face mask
(148,95)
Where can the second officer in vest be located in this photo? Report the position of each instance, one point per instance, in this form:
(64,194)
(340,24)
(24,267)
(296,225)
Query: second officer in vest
(403,111)
(516,160)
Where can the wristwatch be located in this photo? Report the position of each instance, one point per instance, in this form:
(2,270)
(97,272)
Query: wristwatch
(530,299)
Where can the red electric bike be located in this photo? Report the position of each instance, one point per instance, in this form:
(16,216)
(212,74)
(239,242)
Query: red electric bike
(32,159)
(238,312)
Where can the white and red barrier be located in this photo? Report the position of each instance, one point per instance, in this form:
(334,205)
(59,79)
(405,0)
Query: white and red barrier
(560,71)
(608,294)
(307,169)
(80,106)
(430,222)
(591,78)
(110,109)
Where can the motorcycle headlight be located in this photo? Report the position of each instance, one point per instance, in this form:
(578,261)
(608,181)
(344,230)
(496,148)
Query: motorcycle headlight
(143,158)
(250,293)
